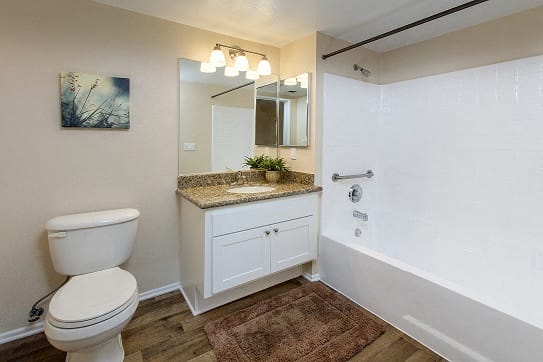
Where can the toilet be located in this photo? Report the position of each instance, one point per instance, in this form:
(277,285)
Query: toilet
(86,316)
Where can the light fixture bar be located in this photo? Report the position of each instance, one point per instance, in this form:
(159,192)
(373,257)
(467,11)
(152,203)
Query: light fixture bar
(237,48)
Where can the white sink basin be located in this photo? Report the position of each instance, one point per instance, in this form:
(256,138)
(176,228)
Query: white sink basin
(250,189)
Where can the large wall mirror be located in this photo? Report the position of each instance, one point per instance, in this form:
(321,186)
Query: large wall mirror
(217,119)
(283,108)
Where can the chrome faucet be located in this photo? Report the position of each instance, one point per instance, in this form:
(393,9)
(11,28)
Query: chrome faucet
(240,179)
(360,215)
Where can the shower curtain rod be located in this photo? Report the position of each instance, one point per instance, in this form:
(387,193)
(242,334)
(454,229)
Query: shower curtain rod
(405,27)
(232,89)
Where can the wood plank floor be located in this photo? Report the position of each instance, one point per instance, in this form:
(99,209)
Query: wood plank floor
(163,329)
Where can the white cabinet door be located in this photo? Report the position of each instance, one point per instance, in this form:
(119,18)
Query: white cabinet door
(240,257)
(294,242)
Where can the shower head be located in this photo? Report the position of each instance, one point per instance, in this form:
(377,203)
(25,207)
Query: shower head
(365,72)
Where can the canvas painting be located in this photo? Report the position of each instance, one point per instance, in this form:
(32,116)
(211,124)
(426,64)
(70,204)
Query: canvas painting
(94,101)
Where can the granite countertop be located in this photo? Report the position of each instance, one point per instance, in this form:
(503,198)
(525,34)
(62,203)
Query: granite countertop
(206,197)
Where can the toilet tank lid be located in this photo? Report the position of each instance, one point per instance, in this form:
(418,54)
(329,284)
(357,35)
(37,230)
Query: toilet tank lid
(92,219)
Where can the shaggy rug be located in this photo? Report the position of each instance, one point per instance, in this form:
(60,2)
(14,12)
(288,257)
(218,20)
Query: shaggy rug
(309,323)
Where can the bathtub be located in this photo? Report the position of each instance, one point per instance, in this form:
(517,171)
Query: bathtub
(468,311)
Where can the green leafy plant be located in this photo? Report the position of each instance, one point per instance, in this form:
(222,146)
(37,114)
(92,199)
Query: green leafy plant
(275,164)
(256,162)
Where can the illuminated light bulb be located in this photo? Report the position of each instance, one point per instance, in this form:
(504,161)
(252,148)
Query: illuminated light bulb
(264,67)
(304,84)
(241,63)
(290,81)
(252,75)
(302,77)
(231,72)
(207,68)
(217,58)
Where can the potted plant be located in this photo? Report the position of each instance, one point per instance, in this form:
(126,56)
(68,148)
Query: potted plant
(255,163)
(274,167)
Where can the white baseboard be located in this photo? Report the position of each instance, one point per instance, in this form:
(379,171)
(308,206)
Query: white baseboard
(159,291)
(36,328)
(185,296)
(311,277)
(22,332)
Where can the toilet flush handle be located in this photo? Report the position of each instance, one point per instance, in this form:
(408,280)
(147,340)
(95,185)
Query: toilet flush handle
(61,234)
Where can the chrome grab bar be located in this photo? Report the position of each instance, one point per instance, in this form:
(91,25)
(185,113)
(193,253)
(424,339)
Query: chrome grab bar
(337,176)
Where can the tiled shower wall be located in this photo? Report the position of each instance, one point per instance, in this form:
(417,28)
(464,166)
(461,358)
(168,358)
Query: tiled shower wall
(458,160)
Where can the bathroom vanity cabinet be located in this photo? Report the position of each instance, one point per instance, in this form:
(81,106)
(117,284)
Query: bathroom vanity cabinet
(230,252)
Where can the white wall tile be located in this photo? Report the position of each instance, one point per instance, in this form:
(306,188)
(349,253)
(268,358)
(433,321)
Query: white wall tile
(458,159)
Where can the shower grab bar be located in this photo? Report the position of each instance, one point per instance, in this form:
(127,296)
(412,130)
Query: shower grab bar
(337,176)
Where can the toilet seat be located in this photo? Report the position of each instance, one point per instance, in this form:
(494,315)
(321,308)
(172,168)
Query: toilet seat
(92,298)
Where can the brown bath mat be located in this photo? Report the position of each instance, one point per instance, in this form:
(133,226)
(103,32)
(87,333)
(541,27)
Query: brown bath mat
(309,323)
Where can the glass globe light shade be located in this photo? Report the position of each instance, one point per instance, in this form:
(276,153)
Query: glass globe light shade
(264,67)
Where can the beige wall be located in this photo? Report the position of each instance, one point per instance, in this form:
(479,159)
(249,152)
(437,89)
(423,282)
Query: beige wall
(49,171)
(508,38)
(342,64)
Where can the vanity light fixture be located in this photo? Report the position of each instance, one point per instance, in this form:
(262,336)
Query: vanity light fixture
(291,81)
(217,58)
(264,67)
(231,72)
(302,78)
(241,63)
(207,68)
(252,75)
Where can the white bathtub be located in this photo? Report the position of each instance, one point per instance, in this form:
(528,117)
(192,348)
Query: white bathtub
(464,312)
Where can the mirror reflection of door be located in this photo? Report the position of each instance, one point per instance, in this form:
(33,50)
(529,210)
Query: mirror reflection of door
(266,115)
(266,122)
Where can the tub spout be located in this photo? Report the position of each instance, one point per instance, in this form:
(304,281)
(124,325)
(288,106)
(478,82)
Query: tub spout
(360,215)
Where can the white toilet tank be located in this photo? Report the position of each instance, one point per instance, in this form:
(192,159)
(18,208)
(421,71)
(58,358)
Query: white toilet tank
(88,242)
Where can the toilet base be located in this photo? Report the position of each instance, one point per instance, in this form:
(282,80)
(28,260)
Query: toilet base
(110,351)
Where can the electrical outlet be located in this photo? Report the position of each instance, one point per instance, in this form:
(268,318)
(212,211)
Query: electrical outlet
(293,153)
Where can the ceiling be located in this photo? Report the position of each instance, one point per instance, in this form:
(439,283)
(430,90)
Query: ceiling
(278,22)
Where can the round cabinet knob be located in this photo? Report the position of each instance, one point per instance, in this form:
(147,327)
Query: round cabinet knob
(275,230)
(267,232)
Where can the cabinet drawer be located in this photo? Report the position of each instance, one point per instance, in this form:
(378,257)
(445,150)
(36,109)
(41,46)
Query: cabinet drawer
(255,214)
(240,257)
(294,242)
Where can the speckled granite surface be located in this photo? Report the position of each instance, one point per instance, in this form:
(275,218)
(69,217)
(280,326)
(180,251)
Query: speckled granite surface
(210,190)
(206,197)
(226,178)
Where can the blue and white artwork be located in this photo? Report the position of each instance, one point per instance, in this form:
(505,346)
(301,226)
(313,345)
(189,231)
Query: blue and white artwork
(94,101)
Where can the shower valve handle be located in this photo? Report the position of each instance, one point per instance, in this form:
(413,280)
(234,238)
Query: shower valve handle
(355,193)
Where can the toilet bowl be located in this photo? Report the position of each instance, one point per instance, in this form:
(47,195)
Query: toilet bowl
(86,316)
